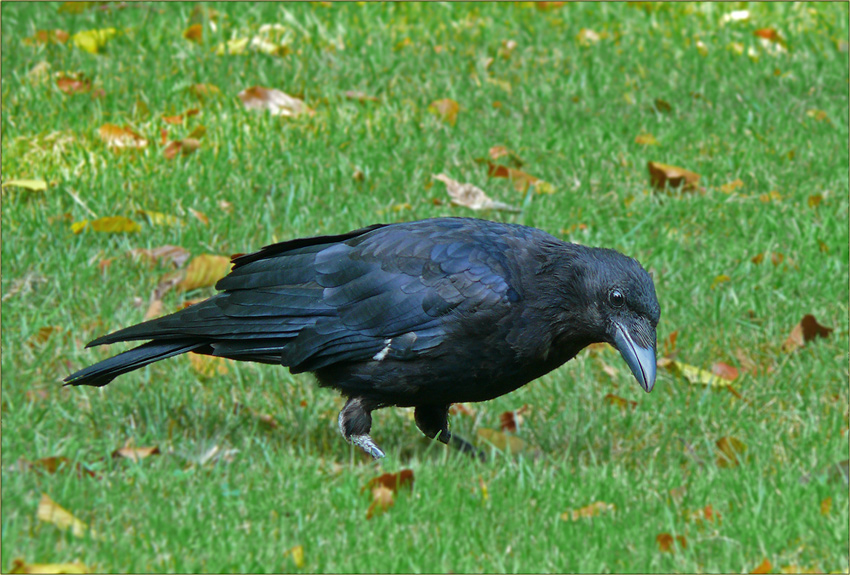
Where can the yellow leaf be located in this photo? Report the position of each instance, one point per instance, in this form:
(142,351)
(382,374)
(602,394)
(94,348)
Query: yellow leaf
(297,553)
(232,47)
(722,278)
(732,186)
(773,196)
(664,175)
(203,271)
(502,441)
(109,225)
(694,374)
(31,185)
(160,219)
(19,566)
(51,512)
(646,140)
(818,115)
(93,40)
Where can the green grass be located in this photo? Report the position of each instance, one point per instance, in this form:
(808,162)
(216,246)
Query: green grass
(572,113)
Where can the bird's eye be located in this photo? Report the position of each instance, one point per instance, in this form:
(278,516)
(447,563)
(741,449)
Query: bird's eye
(617,298)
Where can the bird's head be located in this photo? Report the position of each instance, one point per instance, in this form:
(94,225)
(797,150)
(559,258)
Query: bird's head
(623,308)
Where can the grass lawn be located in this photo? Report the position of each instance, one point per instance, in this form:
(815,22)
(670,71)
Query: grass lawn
(251,473)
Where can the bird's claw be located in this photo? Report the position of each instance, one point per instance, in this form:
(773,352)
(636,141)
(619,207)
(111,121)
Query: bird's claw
(366,443)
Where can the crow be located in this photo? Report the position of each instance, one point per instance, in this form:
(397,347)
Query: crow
(417,314)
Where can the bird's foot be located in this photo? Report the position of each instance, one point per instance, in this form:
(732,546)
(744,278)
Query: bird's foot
(366,443)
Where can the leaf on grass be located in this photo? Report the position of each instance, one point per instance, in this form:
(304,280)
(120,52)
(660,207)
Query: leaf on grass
(446,110)
(135,454)
(807,330)
(107,225)
(297,554)
(730,450)
(620,402)
(470,196)
(664,176)
(274,101)
(462,409)
(182,147)
(208,366)
(826,506)
(382,499)
(118,137)
(501,441)
(694,374)
(20,566)
(93,41)
(167,254)
(665,542)
(814,200)
(203,91)
(818,115)
(724,370)
(154,310)
(194,33)
(520,179)
(76,84)
(203,271)
(702,515)
(719,280)
(42,335)
(510,421)
(54,464)
(763,567)
(360,96)
(160,219)
(543,6)
(497,152)
(51,512)
(47,37)
(732,186)
(29,185)
(593,510)
(392,481)
(646,139)
(200,216)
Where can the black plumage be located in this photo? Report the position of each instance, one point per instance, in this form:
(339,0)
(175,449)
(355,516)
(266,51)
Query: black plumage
(421,314)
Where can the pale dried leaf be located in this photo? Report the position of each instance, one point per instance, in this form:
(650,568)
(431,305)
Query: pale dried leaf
(470,196)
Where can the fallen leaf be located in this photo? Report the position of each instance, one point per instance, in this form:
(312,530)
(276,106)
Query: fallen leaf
(646,140)
(360,96)
(807,330)
(54,464)
(665,542)
(93,41)
(549,5)
(208,366)
(718,280)
(732,186)
(724,370)
(815,200)
(274,101)
(497,152)
(200,216)
(203,91)
(160,219)
(663,106)
(826,506)
(135,454)
(47,37)
(197,133)
(382,499)
(520,179)
(510,421)
(663,176)
(772,196)
(51,512)
(593,510)
(693,374)
(167,254)
(758,258)
(203,271)
(154,310)
(763,567)
(501,441)
(77,84)
(233,47)
(183,147)
(19,566)
(445,109)
(620,402)
(392,481)
(30,185)
(730,448)
(462,409)
(118,137)
(194,33)
(768,34)
(470,196)
(39,73)
(42,335)
(109,225)
(297,554)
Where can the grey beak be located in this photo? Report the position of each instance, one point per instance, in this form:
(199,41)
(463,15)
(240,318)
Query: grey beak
(640,359)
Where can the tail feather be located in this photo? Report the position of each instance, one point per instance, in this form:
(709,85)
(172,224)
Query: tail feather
(105,371)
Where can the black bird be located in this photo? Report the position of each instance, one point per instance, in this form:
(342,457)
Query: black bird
(419,314)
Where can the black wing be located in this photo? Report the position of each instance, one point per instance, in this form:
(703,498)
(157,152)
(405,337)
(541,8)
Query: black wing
(391,291)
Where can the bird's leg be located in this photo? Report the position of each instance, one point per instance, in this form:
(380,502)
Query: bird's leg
(433,421)
(355,421)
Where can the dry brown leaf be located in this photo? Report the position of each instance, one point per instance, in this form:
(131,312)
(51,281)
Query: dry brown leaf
(77,84)
(758,258)
(194,33)
(807,330)
(593,510)
(54,464)
(549,5)
(763,567)
(19,566)
(183,147)
(274,101)
(462,409)
(392,481)
(815,200)
(497,152)
(826,506)
(167,254)
(620,402)
(154,310)
(724,370)
(200,216)
(520,179)
(47,37)
(445,109)
(43,334)
(663,176)
(203,271)
(730,448)
(382,499)
(510,421)
(470,196)
(665,542)
(135,453)
(51,512)
(121,138)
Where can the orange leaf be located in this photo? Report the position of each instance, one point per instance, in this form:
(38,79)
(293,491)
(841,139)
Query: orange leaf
(520,179)
(758,258)
(663,176)
(203,271)
(724,370)
(392,481)
(445,109)
(194,33)
(815,200)
(43,334)
(549,5)
(805,331)
(764,567)
(185,147)
(768,34)
(118,137)
(178,119)
(73,85)
(665,542)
